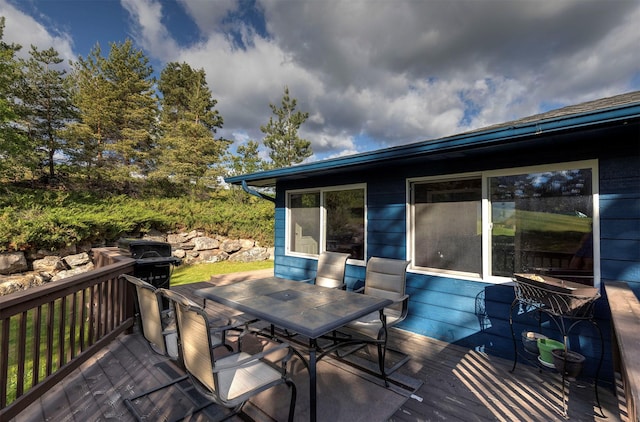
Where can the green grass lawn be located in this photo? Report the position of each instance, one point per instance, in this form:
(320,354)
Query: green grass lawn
(186,274)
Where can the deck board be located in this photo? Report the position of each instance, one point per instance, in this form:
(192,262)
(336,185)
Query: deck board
(459,385)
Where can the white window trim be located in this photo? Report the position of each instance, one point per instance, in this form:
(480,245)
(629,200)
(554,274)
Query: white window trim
(323,217)
(486,276)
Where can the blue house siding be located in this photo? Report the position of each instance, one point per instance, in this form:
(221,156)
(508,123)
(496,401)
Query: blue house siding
(620,218)
(472,314)
(475,314)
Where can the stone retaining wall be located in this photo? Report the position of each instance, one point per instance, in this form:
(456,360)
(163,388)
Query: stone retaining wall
(21,270)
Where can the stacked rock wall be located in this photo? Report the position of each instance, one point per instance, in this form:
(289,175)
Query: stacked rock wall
(21,270)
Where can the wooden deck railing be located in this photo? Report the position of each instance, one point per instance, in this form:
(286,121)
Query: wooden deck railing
(625,319)
(48,331)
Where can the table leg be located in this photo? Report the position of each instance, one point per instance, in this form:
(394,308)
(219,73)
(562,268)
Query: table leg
(312,379)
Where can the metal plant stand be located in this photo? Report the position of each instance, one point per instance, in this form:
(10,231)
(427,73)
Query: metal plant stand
(566,304)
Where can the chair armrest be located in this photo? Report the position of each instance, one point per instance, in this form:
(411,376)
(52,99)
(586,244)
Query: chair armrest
(404,300)
(358,286)
(401,299)
(253,358)
(228,325)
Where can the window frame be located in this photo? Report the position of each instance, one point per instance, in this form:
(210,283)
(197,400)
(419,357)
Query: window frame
(323,220)
(486,222)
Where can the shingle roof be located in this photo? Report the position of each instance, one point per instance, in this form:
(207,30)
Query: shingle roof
(617,108)
(587,107)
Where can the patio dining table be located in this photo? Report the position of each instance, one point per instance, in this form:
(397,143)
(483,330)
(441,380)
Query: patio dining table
(299,307)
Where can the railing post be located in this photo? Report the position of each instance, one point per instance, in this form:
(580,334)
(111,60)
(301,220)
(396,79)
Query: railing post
(106,311)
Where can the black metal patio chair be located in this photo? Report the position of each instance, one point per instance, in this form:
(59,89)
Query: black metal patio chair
(158,326)
(234,378)
(384,278)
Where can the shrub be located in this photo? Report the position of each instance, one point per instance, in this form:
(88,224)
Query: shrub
(35,219)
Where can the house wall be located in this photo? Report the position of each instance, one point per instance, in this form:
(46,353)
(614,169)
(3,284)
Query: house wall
(476,314)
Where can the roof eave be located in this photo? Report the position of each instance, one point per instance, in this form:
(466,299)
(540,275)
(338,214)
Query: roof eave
(466,141)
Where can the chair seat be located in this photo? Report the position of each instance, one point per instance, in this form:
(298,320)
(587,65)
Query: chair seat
(370,324)
(237,381)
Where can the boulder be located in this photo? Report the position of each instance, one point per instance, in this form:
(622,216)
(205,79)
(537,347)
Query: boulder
(48,264)
(193,234)
(16,283)
(72,272)
(250,255)
(247,243)
(231,245)
(176,239)
(13,262)
(213,255)
(204,243)
(77,260)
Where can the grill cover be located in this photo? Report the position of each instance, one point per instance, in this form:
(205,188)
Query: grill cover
(140,249)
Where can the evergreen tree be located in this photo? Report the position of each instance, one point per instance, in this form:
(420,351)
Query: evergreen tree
(286,147)
(118,109)
(189,152)
(47,106)
(94,97)
(13,143)
(246,160)
(130,74)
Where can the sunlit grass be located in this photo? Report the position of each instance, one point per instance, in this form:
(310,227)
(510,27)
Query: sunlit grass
(186,274)
(55,360)
(182,275)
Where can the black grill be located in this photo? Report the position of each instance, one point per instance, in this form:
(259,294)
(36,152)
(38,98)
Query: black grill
(141,249)
(154,262)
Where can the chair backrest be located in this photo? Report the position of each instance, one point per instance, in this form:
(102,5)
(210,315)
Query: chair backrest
(331,269)
(193,330)
(149,305)
(386,278)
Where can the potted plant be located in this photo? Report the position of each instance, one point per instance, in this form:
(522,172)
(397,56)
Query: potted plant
(568,362)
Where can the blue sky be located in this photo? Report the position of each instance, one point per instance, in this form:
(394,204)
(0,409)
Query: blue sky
(370,73)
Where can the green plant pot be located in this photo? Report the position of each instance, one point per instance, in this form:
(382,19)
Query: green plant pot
(545,346)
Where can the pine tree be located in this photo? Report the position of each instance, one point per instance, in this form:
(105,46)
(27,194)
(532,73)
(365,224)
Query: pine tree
(47,106)
(94,97)
(286,147)
(13,143)
(246,160)
(129,72)
(114,138)
(190,153)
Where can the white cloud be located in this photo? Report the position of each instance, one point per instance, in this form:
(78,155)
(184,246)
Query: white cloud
(208,14)
(150,33)
(376,73)
(23,29)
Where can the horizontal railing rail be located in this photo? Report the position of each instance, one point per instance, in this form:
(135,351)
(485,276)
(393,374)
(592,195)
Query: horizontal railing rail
(625,319)
(48,331)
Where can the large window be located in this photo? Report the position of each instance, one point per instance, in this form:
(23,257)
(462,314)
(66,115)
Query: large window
(499,223)
(448,225)
(329,219)
(542,220)
(304,222)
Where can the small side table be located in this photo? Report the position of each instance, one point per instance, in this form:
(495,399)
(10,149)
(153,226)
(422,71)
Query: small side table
(565,303)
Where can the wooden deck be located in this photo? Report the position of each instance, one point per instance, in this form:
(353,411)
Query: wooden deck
(458,385)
